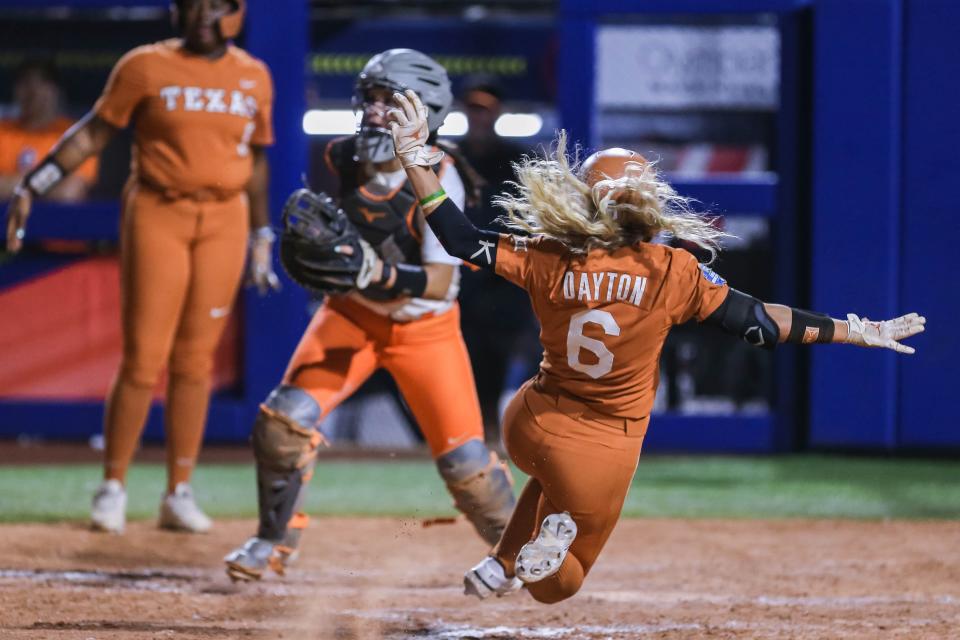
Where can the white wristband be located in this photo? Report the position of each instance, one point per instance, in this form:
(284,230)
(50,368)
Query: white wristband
(263,233)
(45,177)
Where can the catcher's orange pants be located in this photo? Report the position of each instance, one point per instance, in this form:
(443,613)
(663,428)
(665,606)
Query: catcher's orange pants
(579,461)
(181,265)
(346,342)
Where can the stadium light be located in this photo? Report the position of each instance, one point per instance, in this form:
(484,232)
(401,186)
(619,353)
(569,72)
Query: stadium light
(338,122)
(329,122)
(518,125)
(455,124)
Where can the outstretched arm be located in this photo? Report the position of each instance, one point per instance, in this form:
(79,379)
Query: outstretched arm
(765,325)
(456,233)
(86,138)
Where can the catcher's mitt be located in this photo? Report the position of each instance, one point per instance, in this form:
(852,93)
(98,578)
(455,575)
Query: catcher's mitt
(320,248)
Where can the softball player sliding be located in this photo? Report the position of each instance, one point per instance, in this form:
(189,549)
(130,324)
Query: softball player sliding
(606,297)
(200,109)
(406,320)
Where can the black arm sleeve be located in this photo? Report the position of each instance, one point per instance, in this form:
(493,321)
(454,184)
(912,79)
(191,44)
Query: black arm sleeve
(744,316)
(808,326)
(460,238)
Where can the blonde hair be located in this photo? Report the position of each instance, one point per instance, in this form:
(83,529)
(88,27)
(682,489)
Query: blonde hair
(552,200)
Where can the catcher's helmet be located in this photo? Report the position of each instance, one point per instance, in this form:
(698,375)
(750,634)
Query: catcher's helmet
(230,24)
(398,70)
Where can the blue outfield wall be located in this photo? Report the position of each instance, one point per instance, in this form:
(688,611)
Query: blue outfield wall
(884,217)
(854,223)
(930,221)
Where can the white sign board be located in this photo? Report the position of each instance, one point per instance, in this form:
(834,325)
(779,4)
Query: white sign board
(665,67)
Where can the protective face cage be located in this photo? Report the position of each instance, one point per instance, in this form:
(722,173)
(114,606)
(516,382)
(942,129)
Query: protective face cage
(397,70)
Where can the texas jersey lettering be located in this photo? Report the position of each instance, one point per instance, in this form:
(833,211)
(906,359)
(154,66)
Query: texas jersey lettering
(236,103)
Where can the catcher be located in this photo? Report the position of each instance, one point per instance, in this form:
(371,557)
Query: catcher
(606,297)
(391,303)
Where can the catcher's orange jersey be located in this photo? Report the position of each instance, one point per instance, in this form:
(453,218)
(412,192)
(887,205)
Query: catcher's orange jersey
(604,316)
(194,118)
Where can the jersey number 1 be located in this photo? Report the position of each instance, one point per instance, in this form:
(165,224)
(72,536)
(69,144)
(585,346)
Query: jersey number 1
(577,341)
(243,149)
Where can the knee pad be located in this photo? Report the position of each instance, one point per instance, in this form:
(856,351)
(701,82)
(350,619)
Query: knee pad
(285,446)
(295,403)
(481,487)
(284,437)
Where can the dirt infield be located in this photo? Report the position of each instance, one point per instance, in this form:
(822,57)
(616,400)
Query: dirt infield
(380,578)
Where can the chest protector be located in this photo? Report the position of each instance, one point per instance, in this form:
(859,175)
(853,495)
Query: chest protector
(385,218)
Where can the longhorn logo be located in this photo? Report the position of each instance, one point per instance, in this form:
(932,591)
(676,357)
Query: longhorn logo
(370,216)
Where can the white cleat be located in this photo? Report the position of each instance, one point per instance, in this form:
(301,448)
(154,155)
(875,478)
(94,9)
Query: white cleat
(541,558)
(109,510)
(179,511)
(488,579)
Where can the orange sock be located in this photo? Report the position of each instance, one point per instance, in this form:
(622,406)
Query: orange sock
(126,413)
(184,420)
(520,529)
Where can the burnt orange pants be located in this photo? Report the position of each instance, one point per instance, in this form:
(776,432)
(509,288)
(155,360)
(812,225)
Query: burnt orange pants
(181,265)
(346,342)
(578,461)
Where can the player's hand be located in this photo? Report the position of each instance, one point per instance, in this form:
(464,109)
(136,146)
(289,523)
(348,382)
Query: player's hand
(886,334)
(17,213)
(408,125)
(371,266)
(261,274)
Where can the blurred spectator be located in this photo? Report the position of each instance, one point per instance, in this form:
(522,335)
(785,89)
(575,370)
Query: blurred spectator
(498,325)
(38,126)
(490,154)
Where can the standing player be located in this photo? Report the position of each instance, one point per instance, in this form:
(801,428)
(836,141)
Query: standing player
(606,299)
(405,320)
(200,109)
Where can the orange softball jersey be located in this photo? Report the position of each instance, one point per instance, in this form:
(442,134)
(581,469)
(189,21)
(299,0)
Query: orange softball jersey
(604,316)
(194,118)
(21,149)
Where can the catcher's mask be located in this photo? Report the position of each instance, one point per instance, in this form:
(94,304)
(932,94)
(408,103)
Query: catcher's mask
(230,24)
(397,70)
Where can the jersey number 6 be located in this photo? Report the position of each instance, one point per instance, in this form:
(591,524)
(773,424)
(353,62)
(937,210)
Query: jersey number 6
(577,341)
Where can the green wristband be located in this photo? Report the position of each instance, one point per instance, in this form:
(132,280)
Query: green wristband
(433,197)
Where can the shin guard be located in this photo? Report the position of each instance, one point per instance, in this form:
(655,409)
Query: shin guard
(481,487)
(285,449)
